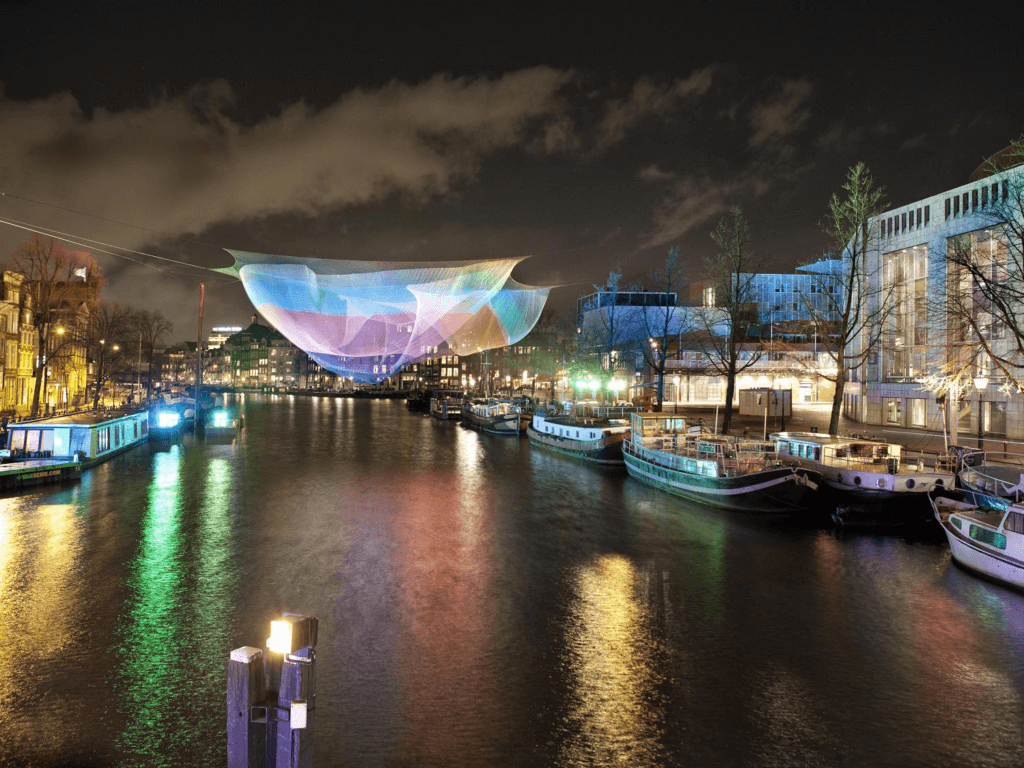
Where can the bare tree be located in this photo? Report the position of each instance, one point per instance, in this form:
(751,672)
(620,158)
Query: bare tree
(730,274)
(853,303)
(54,277)
(108,343)
(150,328)
(659,319)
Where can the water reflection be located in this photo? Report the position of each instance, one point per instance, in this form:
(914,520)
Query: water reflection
(615,715)
(41,620)
(150,678)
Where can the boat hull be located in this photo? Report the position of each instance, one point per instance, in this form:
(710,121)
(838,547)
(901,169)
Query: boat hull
(772,491)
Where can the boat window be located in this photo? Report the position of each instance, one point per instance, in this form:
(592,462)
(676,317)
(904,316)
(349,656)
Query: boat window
(17,440)
(956,522)
(691,465)
(32,440)
(1015,522)
(817,453)
(986,536)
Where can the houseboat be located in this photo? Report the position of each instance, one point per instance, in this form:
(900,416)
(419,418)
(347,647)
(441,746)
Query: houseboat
(444,406)
(988,541)
(590,432)
(724,472)
(90,437)
(498,417)
(870,482)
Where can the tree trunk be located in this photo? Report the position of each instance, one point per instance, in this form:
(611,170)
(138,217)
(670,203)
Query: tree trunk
(730,389)
(36,390)
(837,400)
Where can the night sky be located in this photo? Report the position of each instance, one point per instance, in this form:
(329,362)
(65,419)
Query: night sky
(591,136)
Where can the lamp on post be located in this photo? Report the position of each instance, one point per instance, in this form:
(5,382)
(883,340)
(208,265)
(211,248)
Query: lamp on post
(980,383)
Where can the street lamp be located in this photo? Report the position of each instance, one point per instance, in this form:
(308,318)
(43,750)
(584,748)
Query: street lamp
(980,383)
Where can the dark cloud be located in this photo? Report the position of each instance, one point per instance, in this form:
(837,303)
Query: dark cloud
(782,115)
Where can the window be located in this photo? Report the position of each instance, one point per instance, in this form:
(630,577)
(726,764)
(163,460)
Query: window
(917,412)
(894,410)
(986,536)
(918,217)
(947,207)
(995,192)
(984,196)
(903,224)
(974,198)
(956,206)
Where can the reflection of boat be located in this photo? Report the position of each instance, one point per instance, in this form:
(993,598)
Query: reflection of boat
(871,481)
(445,407)
(726,472)
(989,541)
(499,417)
(592,433)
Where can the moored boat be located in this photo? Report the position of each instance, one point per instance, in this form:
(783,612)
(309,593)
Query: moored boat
(591,433)
(870,482)
(446,407)
(725,472)
(988,541)
(220,426)
(88,437)
(498,417)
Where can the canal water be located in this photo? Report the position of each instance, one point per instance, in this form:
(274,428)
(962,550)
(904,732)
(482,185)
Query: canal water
(482,603)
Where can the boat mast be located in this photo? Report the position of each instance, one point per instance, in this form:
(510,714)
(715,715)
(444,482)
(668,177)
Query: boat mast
(199,346)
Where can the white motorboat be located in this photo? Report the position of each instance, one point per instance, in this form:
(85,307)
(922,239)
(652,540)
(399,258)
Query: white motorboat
(989,541)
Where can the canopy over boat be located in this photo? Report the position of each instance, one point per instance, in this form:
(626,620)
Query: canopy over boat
(365,320)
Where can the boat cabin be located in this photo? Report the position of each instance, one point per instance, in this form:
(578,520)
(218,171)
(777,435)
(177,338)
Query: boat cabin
(835,450)
(91,436)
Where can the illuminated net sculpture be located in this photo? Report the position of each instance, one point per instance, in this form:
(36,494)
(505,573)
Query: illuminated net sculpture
(365,320)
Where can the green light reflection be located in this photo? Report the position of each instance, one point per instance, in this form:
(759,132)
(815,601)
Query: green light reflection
(150,676)
(173,636)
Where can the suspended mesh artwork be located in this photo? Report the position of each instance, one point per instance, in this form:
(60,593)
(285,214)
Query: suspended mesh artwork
(365,320)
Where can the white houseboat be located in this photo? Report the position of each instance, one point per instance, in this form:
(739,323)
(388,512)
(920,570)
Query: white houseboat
(989,541)
(592,433)
(90,436)
(725,472)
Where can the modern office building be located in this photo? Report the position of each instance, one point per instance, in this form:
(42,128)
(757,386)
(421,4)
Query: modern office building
(921,373)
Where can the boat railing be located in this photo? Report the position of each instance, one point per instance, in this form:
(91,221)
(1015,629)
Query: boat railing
(906,463)
(588,411)
(988,482)
(676,457)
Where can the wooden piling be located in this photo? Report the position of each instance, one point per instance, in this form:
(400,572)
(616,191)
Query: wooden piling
(297,707)
(247,713)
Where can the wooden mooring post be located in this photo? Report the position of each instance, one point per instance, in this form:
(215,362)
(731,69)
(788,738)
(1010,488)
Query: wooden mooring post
(271,697)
